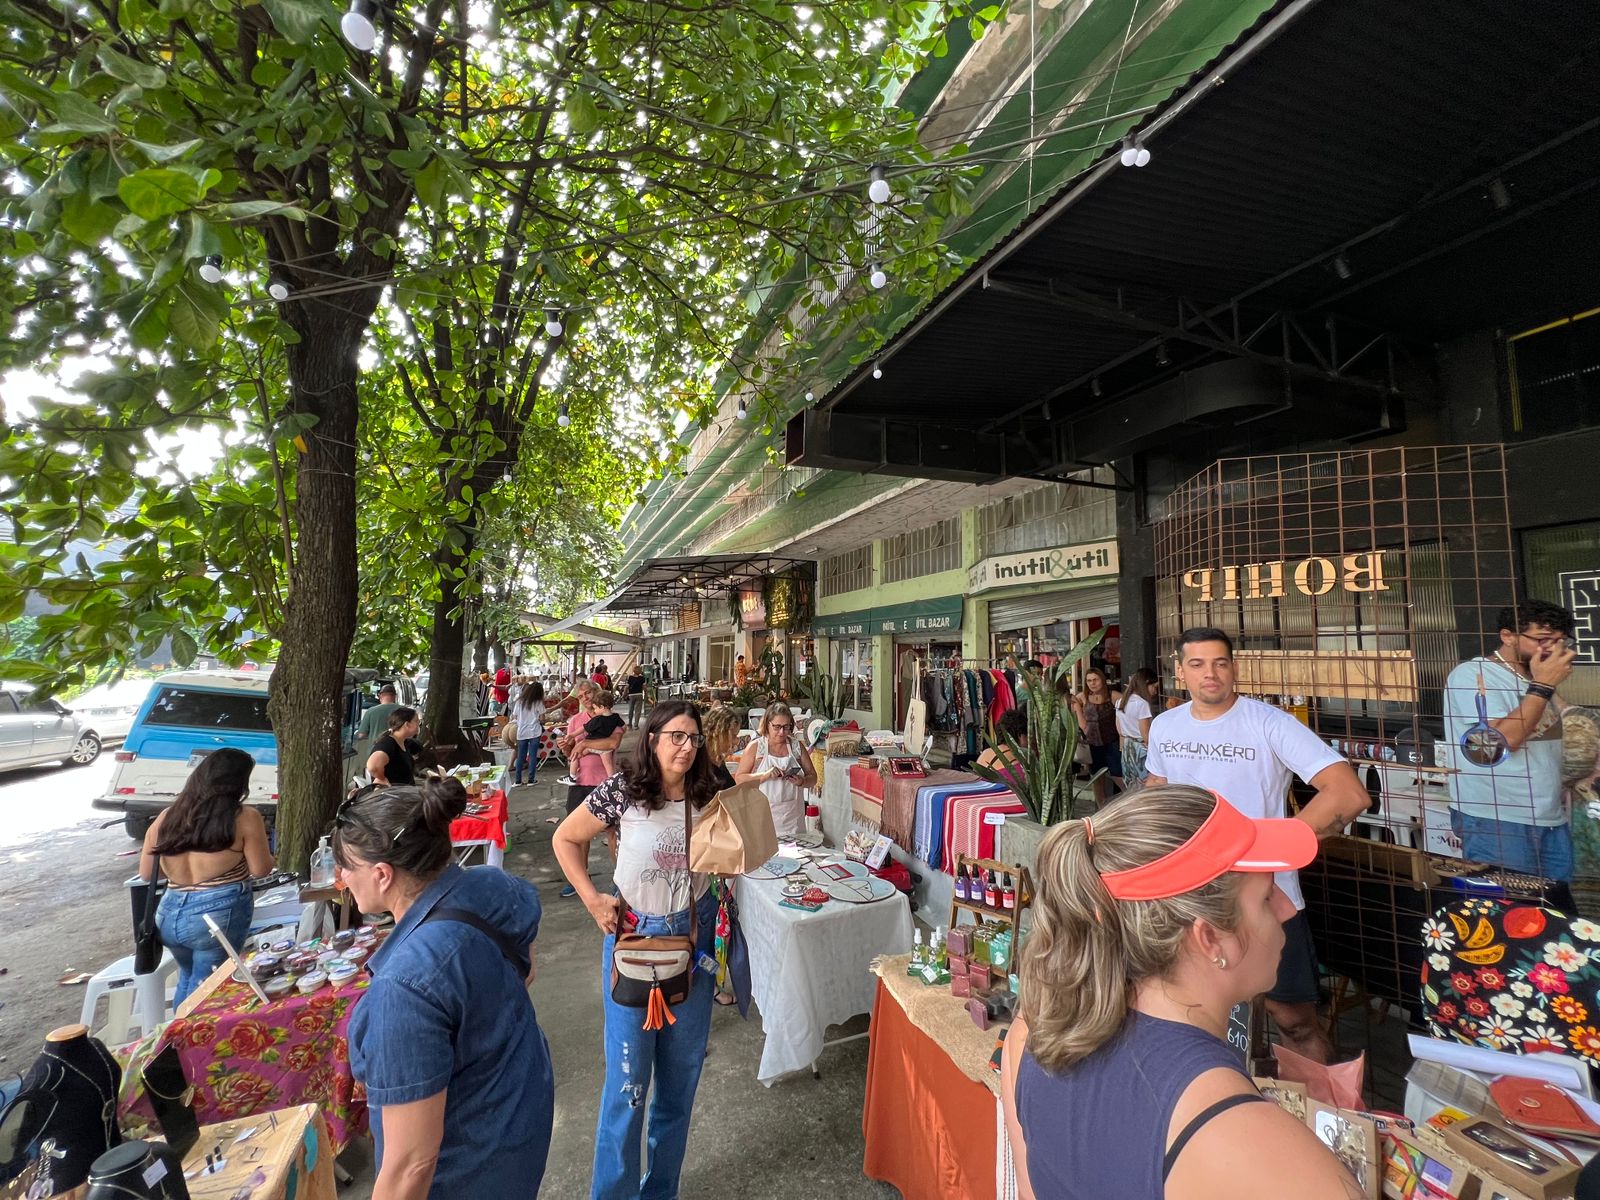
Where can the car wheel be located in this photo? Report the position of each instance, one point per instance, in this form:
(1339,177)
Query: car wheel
(85,750)
(136,826)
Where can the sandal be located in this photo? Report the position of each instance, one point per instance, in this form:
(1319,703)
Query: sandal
(726,999)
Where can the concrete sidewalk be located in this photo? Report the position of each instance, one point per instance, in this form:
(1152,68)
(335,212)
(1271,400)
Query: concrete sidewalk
(800,1139)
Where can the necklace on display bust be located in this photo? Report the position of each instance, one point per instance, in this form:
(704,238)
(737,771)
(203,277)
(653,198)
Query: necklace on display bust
(108,1108)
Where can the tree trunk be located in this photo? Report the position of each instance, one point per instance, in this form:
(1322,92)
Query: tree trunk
(480,651)
(443,717)
(320,616)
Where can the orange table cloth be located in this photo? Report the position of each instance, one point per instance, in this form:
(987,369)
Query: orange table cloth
(930,1130)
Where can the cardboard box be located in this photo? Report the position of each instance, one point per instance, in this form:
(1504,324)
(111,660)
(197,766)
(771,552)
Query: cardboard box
(1286,1094)
(1499,1151)
(1353,1140)
(1413,1171)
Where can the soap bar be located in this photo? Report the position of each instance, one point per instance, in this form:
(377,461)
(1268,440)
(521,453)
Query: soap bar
(960,985)
(979,1011)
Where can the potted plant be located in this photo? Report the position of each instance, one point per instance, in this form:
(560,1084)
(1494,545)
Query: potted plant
(822,694)
(1043,771)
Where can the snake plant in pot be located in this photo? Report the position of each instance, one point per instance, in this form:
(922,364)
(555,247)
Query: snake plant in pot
(1042,770)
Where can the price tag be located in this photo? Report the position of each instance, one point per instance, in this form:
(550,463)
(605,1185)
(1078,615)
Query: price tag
(997,818)
(879,852)
(155,1173)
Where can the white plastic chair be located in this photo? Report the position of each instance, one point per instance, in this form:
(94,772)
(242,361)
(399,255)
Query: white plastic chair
(132,1001)
(753,718)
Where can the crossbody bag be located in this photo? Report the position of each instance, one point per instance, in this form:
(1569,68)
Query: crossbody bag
(656,972)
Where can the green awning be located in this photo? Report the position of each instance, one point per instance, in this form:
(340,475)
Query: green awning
(939,615)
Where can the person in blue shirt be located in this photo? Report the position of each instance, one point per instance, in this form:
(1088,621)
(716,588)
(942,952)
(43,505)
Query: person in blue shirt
(445,1039)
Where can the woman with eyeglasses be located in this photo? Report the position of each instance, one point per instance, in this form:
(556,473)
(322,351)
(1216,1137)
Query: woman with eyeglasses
(644,803)
(780,765)
(445,1039)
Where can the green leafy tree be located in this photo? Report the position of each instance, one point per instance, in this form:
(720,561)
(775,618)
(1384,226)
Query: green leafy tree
(215,200)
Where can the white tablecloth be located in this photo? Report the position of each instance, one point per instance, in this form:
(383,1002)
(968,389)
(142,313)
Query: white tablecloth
(810,970)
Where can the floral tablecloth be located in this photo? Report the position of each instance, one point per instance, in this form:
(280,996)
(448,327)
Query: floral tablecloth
(245,1057)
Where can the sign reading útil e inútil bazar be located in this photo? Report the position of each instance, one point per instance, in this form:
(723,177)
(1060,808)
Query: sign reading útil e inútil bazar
(1061,564)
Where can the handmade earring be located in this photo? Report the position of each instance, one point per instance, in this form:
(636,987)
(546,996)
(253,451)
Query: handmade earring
(1221,962)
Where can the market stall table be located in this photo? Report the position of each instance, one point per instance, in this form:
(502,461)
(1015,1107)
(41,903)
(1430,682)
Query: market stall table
(486,830)
(810,970)
(244,1057)
(932,1118)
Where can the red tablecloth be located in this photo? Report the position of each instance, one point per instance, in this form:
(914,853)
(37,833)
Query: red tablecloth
(930,1130)
(244,1057)
(490,827)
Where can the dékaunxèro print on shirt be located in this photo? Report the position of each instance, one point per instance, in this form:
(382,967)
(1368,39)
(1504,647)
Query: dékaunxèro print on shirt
(1246,756)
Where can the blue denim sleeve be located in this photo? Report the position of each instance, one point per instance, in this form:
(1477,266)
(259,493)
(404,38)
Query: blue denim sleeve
(408,1048)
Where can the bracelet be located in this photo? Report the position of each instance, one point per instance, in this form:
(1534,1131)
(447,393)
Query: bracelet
(1542,690)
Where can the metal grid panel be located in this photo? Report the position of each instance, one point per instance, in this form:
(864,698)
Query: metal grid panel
(847,572)
(925,551)
(1052,515)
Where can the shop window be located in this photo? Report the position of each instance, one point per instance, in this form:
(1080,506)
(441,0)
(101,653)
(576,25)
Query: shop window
(1553,377)
(1562,564)
(925,551)
(848,572)
(1053,515)
(852,665)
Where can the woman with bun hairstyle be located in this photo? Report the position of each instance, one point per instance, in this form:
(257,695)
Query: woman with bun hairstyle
(1151,920)
(445,1039)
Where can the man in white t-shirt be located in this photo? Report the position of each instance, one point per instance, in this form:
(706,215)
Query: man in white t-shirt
(1246,751)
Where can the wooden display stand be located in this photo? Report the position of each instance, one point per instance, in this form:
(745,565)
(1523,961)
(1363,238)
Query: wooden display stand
(999,916)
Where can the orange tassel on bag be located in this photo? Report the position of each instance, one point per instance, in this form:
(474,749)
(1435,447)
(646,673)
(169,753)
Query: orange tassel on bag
(658,1013)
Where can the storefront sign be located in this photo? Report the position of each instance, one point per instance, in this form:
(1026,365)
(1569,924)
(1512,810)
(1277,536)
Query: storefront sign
(752,610)
(941,615)
(1088,561)
(1309,577)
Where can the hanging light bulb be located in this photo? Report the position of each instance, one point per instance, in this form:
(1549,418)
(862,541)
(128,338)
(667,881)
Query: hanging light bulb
(810,396)
(357,27)
(1341,266)
(1134,154)
(1161,355)
(278,288)
(211,269)
(878,189)
(1094,386)
(877,371)
(742,412)
(878,279)
(552,323)
(562,419)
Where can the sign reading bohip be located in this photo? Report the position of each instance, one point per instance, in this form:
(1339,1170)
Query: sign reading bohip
(1309,577)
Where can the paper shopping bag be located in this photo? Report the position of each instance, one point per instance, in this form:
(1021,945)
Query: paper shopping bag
(734,832)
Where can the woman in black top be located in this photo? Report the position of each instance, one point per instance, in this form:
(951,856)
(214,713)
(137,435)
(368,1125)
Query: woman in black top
(390,760)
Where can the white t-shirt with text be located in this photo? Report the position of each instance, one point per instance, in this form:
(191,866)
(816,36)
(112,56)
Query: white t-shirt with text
(1246,756)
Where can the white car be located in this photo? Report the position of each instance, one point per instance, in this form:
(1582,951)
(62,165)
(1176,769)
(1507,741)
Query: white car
(109,708)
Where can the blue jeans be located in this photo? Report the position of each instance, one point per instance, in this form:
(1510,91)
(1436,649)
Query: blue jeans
(185,933)
(527,752)
(1544,850)
(671,1056)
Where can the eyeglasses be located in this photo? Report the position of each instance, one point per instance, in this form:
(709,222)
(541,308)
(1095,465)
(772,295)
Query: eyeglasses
(782,726)
(1554,639)
(679,738)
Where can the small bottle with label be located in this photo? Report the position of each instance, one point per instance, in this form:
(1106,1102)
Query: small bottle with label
(918,956)
(1008,895)
(961,883)
(991,891)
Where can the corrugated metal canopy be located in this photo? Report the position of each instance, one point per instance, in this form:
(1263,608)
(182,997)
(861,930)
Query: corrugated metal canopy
(1418,169)
(663,585)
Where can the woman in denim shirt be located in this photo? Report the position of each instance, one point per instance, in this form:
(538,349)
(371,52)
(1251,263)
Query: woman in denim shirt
(210,846)
(644,805)
(445,1039)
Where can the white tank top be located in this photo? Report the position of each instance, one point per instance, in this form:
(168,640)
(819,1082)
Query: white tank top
(787,796)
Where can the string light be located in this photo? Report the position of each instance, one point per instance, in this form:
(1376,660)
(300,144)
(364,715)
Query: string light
(878,279)
(878,190)
(1161,355)
(1134,154)
(357,27)
(552,323)
(1094,386)
(877,371)
(742,412)
(278,289)
(810,396)
(1341,266)
(211,268)
(562,419)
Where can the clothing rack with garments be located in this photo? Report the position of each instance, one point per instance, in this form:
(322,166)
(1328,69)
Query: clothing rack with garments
(966,696)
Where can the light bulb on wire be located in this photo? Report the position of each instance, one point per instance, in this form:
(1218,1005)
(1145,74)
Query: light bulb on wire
(878,190)
(810,396)
(742,413)
(211,268)
(877,370)
(562,419)
(1134,154)
(357,27)
(879,279)
(552,323)
(278,288)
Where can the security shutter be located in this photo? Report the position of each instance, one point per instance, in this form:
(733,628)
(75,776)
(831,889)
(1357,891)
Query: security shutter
(1029,612)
